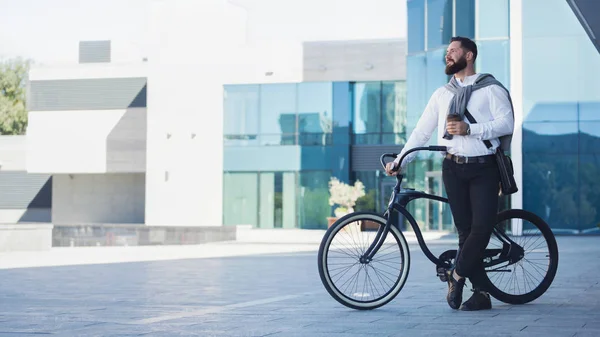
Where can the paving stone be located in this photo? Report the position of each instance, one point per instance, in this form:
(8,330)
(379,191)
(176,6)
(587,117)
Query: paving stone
(279,295)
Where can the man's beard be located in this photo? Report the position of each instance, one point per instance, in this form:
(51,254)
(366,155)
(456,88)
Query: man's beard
(457,66)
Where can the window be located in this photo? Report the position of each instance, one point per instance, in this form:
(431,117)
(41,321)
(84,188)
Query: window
(550,137)
(240,192)
(278,114)
(439,23)
(492,19)
(493,57)
(393,124)
(416,25)
(240,110)
(417,98)
(367,112)
(465,18)
(313,199)
(315,113)
(436,65)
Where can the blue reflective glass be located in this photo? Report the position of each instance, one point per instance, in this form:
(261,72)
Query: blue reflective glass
(394,110)
(436,65)
(493,18)
(550,189)
(589,111)
(416,25)
(315,113)
(550,137)
(589,137)
(589,193)
(367,107)
(549,18)
(342,112)
(494,57)
(278,114)
(416,92)
(313,199)
(552,112)
(240,114)
(439,23)
(465,18)
(315,107)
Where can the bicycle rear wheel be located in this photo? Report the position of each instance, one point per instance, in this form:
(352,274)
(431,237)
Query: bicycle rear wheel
(528,278)
(358,285)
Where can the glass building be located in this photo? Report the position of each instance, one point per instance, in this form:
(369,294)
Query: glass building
(283,143)
(558,72)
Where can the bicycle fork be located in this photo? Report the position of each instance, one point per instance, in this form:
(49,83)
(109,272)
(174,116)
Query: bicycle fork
(382,233)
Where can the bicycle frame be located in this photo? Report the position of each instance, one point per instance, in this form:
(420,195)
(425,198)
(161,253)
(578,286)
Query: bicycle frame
(400,197)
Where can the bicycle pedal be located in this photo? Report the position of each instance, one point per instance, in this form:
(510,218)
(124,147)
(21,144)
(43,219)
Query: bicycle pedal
(441,273)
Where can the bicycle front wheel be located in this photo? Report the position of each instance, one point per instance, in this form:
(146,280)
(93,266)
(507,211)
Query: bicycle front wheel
(349,281)
(528,278)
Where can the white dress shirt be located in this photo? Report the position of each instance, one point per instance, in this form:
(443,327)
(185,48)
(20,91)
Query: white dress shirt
(489,106)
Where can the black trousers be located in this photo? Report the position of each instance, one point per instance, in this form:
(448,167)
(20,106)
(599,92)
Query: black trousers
(472,191)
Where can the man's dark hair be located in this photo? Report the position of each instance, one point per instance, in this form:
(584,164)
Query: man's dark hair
(466,44)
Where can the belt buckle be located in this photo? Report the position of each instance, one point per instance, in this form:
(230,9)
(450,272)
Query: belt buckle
(460,160)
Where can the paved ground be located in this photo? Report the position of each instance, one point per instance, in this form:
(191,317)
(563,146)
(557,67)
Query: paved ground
(278,294)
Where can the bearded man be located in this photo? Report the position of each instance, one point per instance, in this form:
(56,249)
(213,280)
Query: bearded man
(469,170)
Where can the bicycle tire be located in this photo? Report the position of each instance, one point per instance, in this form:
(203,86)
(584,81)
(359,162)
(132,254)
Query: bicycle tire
(323,262)
(548,236)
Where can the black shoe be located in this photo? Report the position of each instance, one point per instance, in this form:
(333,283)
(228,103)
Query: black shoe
(479,301)
(455,290)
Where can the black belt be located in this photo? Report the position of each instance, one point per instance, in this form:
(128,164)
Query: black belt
(470,160)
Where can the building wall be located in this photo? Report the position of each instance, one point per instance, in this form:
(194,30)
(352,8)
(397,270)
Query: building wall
(98,198)
(374,60)
(188,67)
(89,118)
(24,197)
(91,141)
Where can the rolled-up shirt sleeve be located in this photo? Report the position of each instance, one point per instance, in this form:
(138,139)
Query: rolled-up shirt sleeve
(503,119)
(423,130)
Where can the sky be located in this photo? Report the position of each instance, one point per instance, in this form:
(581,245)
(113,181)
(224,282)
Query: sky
(48,31)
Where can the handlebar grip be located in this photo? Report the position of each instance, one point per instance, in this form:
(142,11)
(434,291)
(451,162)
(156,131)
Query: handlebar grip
(437,148)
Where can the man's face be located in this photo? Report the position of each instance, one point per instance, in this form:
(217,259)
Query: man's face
(456,58)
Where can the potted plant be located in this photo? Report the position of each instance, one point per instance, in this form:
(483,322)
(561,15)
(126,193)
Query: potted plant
(345,196)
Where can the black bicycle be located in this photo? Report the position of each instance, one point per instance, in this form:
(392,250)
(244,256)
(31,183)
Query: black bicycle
(365,269)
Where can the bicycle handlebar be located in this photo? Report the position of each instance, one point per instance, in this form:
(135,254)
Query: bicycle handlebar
(395,155)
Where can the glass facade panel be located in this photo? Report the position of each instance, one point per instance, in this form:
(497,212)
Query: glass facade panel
(313,199)
(315,113)
(416,98)
(278,117)
(367,110)
(439,23)
(436,65)
(416,25)
(393,112)
(561,164)
(493,57)
(589,192)
(240,199)
(589,137)
(550,189)
(240,109)
(465,18)
(589,111)
(492,18)
(550,137)
(553,112)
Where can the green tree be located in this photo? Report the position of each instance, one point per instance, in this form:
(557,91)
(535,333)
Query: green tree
(13,83)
